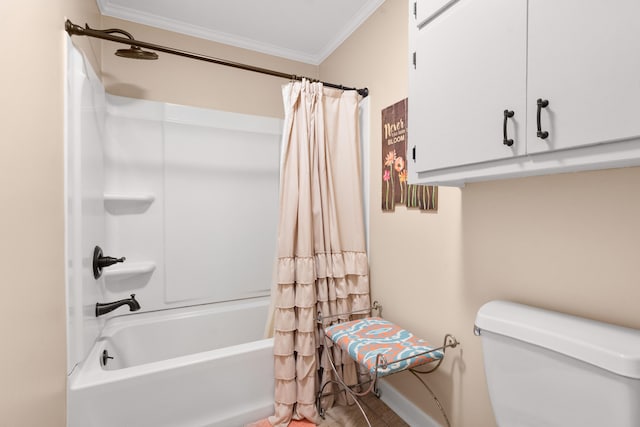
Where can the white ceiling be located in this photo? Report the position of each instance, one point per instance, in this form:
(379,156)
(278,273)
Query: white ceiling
(301,30)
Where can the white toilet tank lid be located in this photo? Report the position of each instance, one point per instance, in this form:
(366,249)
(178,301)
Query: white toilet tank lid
(611,347)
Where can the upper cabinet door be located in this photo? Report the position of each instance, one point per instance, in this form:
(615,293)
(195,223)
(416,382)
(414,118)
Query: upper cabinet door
(424,10)
(470,66)
(584,59)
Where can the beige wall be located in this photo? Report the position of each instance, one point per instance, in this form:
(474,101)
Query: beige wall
(185,81)
(565,242)
(32,307)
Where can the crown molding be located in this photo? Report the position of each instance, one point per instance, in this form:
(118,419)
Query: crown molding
(107,8)
(363,14)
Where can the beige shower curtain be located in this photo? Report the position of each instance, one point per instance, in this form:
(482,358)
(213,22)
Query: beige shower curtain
(321,259)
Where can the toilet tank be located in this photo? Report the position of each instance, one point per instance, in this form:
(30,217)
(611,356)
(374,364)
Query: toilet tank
(550,369)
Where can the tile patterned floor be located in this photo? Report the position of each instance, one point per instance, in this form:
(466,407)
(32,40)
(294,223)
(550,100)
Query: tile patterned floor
(380,415)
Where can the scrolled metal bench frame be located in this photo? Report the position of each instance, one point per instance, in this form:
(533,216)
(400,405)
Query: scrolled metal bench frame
(381,363)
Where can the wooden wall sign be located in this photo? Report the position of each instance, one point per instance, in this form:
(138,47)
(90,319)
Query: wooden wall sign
(395,189)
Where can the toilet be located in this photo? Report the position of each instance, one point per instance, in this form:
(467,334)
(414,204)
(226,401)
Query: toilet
(549,369)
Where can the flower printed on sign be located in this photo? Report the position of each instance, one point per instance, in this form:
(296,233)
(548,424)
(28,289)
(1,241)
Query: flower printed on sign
(388,176)
(395,188)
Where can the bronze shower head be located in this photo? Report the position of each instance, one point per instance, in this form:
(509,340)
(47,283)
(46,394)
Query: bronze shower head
(134,52)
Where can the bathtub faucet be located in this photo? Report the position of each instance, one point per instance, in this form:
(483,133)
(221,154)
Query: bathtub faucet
(110,306)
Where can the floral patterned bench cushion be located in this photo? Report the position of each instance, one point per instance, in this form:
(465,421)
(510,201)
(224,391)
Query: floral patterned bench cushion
(364,339)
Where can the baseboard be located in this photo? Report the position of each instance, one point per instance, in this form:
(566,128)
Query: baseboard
(405,409)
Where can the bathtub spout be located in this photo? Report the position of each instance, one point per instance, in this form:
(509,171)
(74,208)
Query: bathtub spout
(110,306)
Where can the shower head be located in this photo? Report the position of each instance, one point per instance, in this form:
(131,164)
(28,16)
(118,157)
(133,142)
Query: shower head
(134,52)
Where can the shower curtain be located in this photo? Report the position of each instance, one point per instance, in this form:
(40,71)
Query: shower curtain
(321,258)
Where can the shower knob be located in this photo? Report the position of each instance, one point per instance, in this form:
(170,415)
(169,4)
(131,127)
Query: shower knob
(100,261)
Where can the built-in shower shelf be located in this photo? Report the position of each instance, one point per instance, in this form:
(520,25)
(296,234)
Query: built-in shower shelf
(129,270)
(117,203)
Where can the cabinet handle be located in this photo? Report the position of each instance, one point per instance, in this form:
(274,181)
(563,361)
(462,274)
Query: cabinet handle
(542,103)
(505,141)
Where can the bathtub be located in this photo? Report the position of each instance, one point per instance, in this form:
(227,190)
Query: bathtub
(193,366)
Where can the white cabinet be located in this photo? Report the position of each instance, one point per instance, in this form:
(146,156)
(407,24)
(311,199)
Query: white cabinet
(467,72)
(584,58)
(475,59)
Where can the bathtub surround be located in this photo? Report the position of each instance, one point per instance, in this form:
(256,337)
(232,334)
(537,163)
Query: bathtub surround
(322,262)
(192,199)
(137,170)
(84,209)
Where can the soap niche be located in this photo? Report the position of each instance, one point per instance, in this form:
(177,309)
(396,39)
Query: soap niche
(134,275)
(127,204)
(131,274)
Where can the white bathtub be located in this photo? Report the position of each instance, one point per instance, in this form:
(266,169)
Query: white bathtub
(194,366)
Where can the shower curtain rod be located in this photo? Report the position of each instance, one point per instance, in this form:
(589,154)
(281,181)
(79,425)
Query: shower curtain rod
(76,30)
